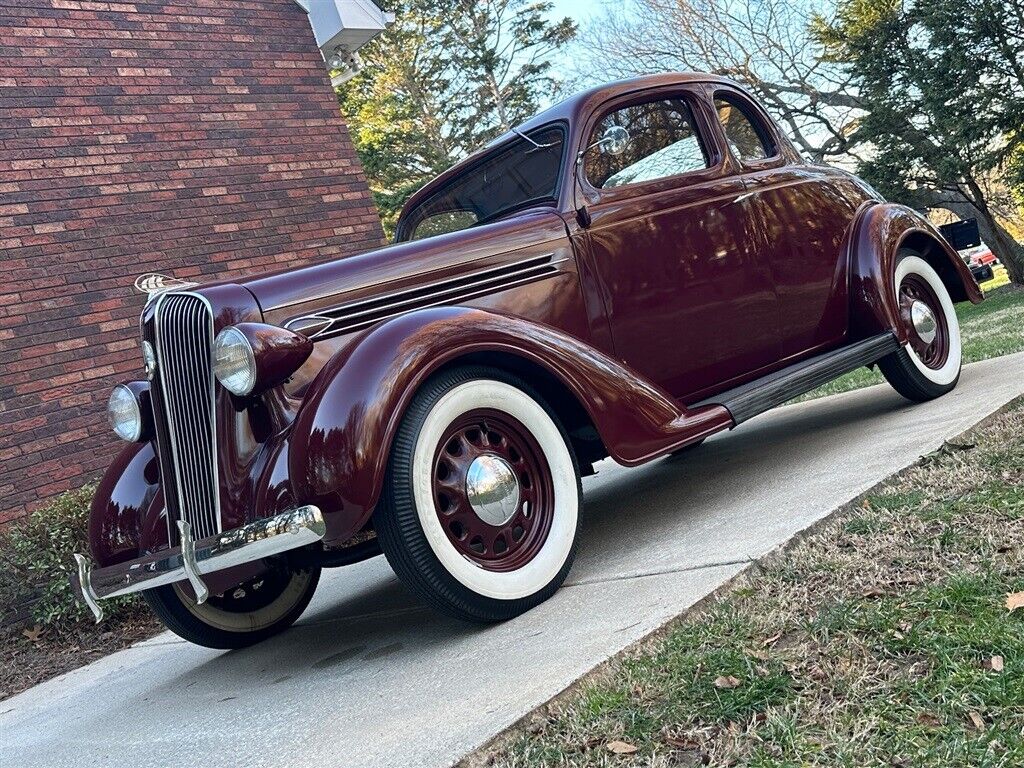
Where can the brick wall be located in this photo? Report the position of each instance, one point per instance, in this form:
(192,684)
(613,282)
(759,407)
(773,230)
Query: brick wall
(197,138)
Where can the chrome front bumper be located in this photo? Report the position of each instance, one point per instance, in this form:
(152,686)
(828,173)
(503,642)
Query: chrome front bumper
(255,541)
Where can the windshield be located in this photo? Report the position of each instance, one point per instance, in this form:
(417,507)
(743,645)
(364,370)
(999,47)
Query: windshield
(510,178)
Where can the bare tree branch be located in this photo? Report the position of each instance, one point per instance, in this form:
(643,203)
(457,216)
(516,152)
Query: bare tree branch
(765,44)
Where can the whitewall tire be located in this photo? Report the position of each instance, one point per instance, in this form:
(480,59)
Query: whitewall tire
(929,364)
(481,505)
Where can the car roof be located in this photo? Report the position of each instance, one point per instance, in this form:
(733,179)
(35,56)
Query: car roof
(579,104)
(570,110)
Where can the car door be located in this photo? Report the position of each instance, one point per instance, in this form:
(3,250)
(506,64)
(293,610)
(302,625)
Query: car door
(803,213)
(669,236)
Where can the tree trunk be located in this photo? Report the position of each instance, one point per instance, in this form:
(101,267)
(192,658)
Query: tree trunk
(499,101)
(1002,243)
(1004,246)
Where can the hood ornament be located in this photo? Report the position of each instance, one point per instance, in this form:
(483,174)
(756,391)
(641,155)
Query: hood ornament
(153,283)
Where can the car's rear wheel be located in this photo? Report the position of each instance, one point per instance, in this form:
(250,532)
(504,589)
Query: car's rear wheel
(928,366)
(244,615)
(480,510)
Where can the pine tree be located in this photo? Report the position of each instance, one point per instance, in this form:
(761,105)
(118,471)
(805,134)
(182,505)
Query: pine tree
(942,83)
(442,82)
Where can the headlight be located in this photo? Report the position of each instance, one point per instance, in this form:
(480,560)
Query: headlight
(234,362)
(125,414)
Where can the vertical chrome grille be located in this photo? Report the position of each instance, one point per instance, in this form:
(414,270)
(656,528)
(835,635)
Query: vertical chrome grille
(187,431)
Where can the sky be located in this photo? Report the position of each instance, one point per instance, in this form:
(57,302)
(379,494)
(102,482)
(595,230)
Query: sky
(576,9)
(580,11)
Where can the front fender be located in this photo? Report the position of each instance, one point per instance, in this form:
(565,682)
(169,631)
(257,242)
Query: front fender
(121,506)
(878,233)
(343,431)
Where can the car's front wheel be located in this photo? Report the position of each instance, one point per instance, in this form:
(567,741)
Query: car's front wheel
(928,366)
(480,509)
(242,616)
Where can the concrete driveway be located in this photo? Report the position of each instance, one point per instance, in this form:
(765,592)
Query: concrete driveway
(368,678)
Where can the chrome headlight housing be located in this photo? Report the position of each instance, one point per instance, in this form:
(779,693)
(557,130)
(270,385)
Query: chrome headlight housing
(126,412)
(234,361)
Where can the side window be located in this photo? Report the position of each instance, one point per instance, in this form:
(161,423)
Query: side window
(747,139)
(663,141)
(444,223)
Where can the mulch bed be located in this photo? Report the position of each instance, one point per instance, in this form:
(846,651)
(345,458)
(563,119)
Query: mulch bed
(27,662)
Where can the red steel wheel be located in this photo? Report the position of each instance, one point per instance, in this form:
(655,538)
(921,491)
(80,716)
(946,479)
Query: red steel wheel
(493,490)
(924,320)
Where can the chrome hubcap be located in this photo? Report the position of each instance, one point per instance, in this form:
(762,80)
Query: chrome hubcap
(492,489)
(924,321)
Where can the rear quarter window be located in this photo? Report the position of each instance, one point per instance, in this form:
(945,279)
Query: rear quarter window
(748,138)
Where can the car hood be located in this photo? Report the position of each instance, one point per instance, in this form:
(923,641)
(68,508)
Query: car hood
(296,292)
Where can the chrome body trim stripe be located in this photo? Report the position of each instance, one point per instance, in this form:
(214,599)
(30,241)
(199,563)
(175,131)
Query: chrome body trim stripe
(340,320)
(264,538)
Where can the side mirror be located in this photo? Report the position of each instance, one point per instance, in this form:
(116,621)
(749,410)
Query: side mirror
(615,141)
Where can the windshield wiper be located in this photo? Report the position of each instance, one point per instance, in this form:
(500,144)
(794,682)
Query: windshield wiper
(536,146)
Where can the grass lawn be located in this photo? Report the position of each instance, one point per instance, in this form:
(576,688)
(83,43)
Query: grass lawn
(880,639)
(990,329)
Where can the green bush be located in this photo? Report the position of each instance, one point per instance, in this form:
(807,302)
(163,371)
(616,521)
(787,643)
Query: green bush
(36,563)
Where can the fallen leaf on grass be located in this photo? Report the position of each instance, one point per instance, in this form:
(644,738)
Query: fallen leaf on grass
(817,673)
(680,742)
(976,720)
(927,718)
(726,681)
(772,640)
(33,635)
(995,664)
(1015,601)
(622,747)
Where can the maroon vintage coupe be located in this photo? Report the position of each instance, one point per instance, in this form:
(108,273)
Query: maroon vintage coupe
(637,268)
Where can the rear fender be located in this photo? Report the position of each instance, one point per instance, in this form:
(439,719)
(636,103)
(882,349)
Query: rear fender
(343,431)
(878,233)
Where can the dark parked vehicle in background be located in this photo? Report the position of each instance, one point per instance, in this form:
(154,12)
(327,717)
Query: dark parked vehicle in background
(635,269)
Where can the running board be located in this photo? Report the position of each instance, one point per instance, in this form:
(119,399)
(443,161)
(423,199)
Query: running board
(746,401)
